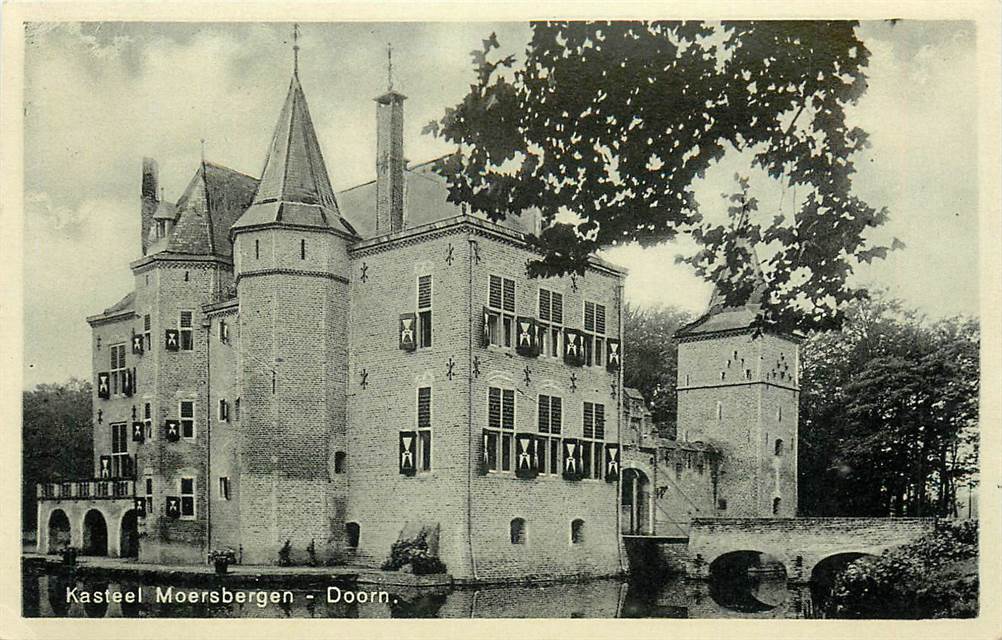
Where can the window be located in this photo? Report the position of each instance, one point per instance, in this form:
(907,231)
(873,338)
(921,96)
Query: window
(594,333)
(236,409)
(518,534)
(501,311)
(775,506)
(187,408)
(551,319)
(593,430)
(117,368)
(353,533)
(224,331)
(148,421)
(302,249)
(779,447)
(149,495)
(720,411)
(224,488)
(500,428)
(224,410)
(550,414)
(577,531)
(747,374)
(679,467)
(339,460)
(119,450)
(188,498)
(257,249)
(424,429)
(184,326)
(424,311)
(779,414)
(147,333)
(722,504)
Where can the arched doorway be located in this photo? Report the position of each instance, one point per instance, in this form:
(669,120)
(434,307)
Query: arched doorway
(59,531)
(635,501)
(129,535)
(95,534)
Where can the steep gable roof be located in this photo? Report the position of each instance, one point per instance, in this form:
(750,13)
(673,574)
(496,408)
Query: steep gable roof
(295,187)
(214,199)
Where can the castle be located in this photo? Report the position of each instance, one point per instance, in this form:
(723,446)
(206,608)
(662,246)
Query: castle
(341,371)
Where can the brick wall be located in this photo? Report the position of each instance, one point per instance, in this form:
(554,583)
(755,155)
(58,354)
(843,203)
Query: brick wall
(224,458)
(293,328)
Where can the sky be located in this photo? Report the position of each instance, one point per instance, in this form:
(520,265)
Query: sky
(101,96)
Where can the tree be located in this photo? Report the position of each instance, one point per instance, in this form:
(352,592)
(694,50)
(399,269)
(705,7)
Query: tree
(889,410)
(614,122)
(57,440)
(651,359)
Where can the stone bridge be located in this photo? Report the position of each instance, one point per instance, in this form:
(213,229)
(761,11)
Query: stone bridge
(800,544)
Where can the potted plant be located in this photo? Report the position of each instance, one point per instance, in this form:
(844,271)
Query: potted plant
(222,559)
(69,555)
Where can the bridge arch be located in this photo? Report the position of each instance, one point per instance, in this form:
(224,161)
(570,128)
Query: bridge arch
(95,533)
(636,500)
(59,532)
(739,561)
(128,535)
(824,570)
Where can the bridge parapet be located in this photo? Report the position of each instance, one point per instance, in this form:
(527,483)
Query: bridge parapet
(798,543)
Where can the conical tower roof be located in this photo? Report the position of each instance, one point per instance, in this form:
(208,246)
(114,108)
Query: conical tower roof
(295,187)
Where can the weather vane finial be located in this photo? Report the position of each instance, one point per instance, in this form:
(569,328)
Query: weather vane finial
(295,48)
(389,65)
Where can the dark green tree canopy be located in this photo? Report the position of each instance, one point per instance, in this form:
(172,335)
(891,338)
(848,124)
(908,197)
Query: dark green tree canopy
(615,121)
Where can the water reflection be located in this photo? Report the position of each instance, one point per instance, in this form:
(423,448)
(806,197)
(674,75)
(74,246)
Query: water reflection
(748,596)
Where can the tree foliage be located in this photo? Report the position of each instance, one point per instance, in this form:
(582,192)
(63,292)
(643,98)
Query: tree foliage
(615,122)
(934,577)
(57,441)
(889,413)
(651,363)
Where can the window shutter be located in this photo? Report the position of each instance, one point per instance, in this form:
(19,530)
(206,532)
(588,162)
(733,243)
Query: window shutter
(137,344)
(508,409)
(588,426)
(407,331)
(509,295)
(127,382)
(104,471)
(589,316)
(494,294)
(483,465)
(172,430)
(128,467)
(103,385)
(526,460)
(485,336)
(424,292)
(527,339)
(544,413)
(139,504)
(424,408)
(613,361)
(408,453)
(173,507)
(544,305)
(556,407)
(599,318)
(611,462)
(571,459)
(557,307)
(494,408)
(573,348)
(172,340)
(138,433)
(600,422)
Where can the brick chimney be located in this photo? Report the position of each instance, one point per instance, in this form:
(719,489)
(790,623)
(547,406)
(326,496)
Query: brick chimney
(390,162)
(149,199)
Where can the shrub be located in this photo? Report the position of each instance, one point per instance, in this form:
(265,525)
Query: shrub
(414,552)
(285,554)
(933,577)
(311,551)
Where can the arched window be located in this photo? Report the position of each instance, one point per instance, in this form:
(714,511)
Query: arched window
(352,531)
(518,533)
(775,505)
(577,531)
(339,458)
(779,447)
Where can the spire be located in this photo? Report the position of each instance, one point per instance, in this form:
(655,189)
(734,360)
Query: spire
(295,48)
(295,187)
(717,299)
(389,67)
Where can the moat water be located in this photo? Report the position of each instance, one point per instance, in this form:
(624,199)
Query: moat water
(59,595)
